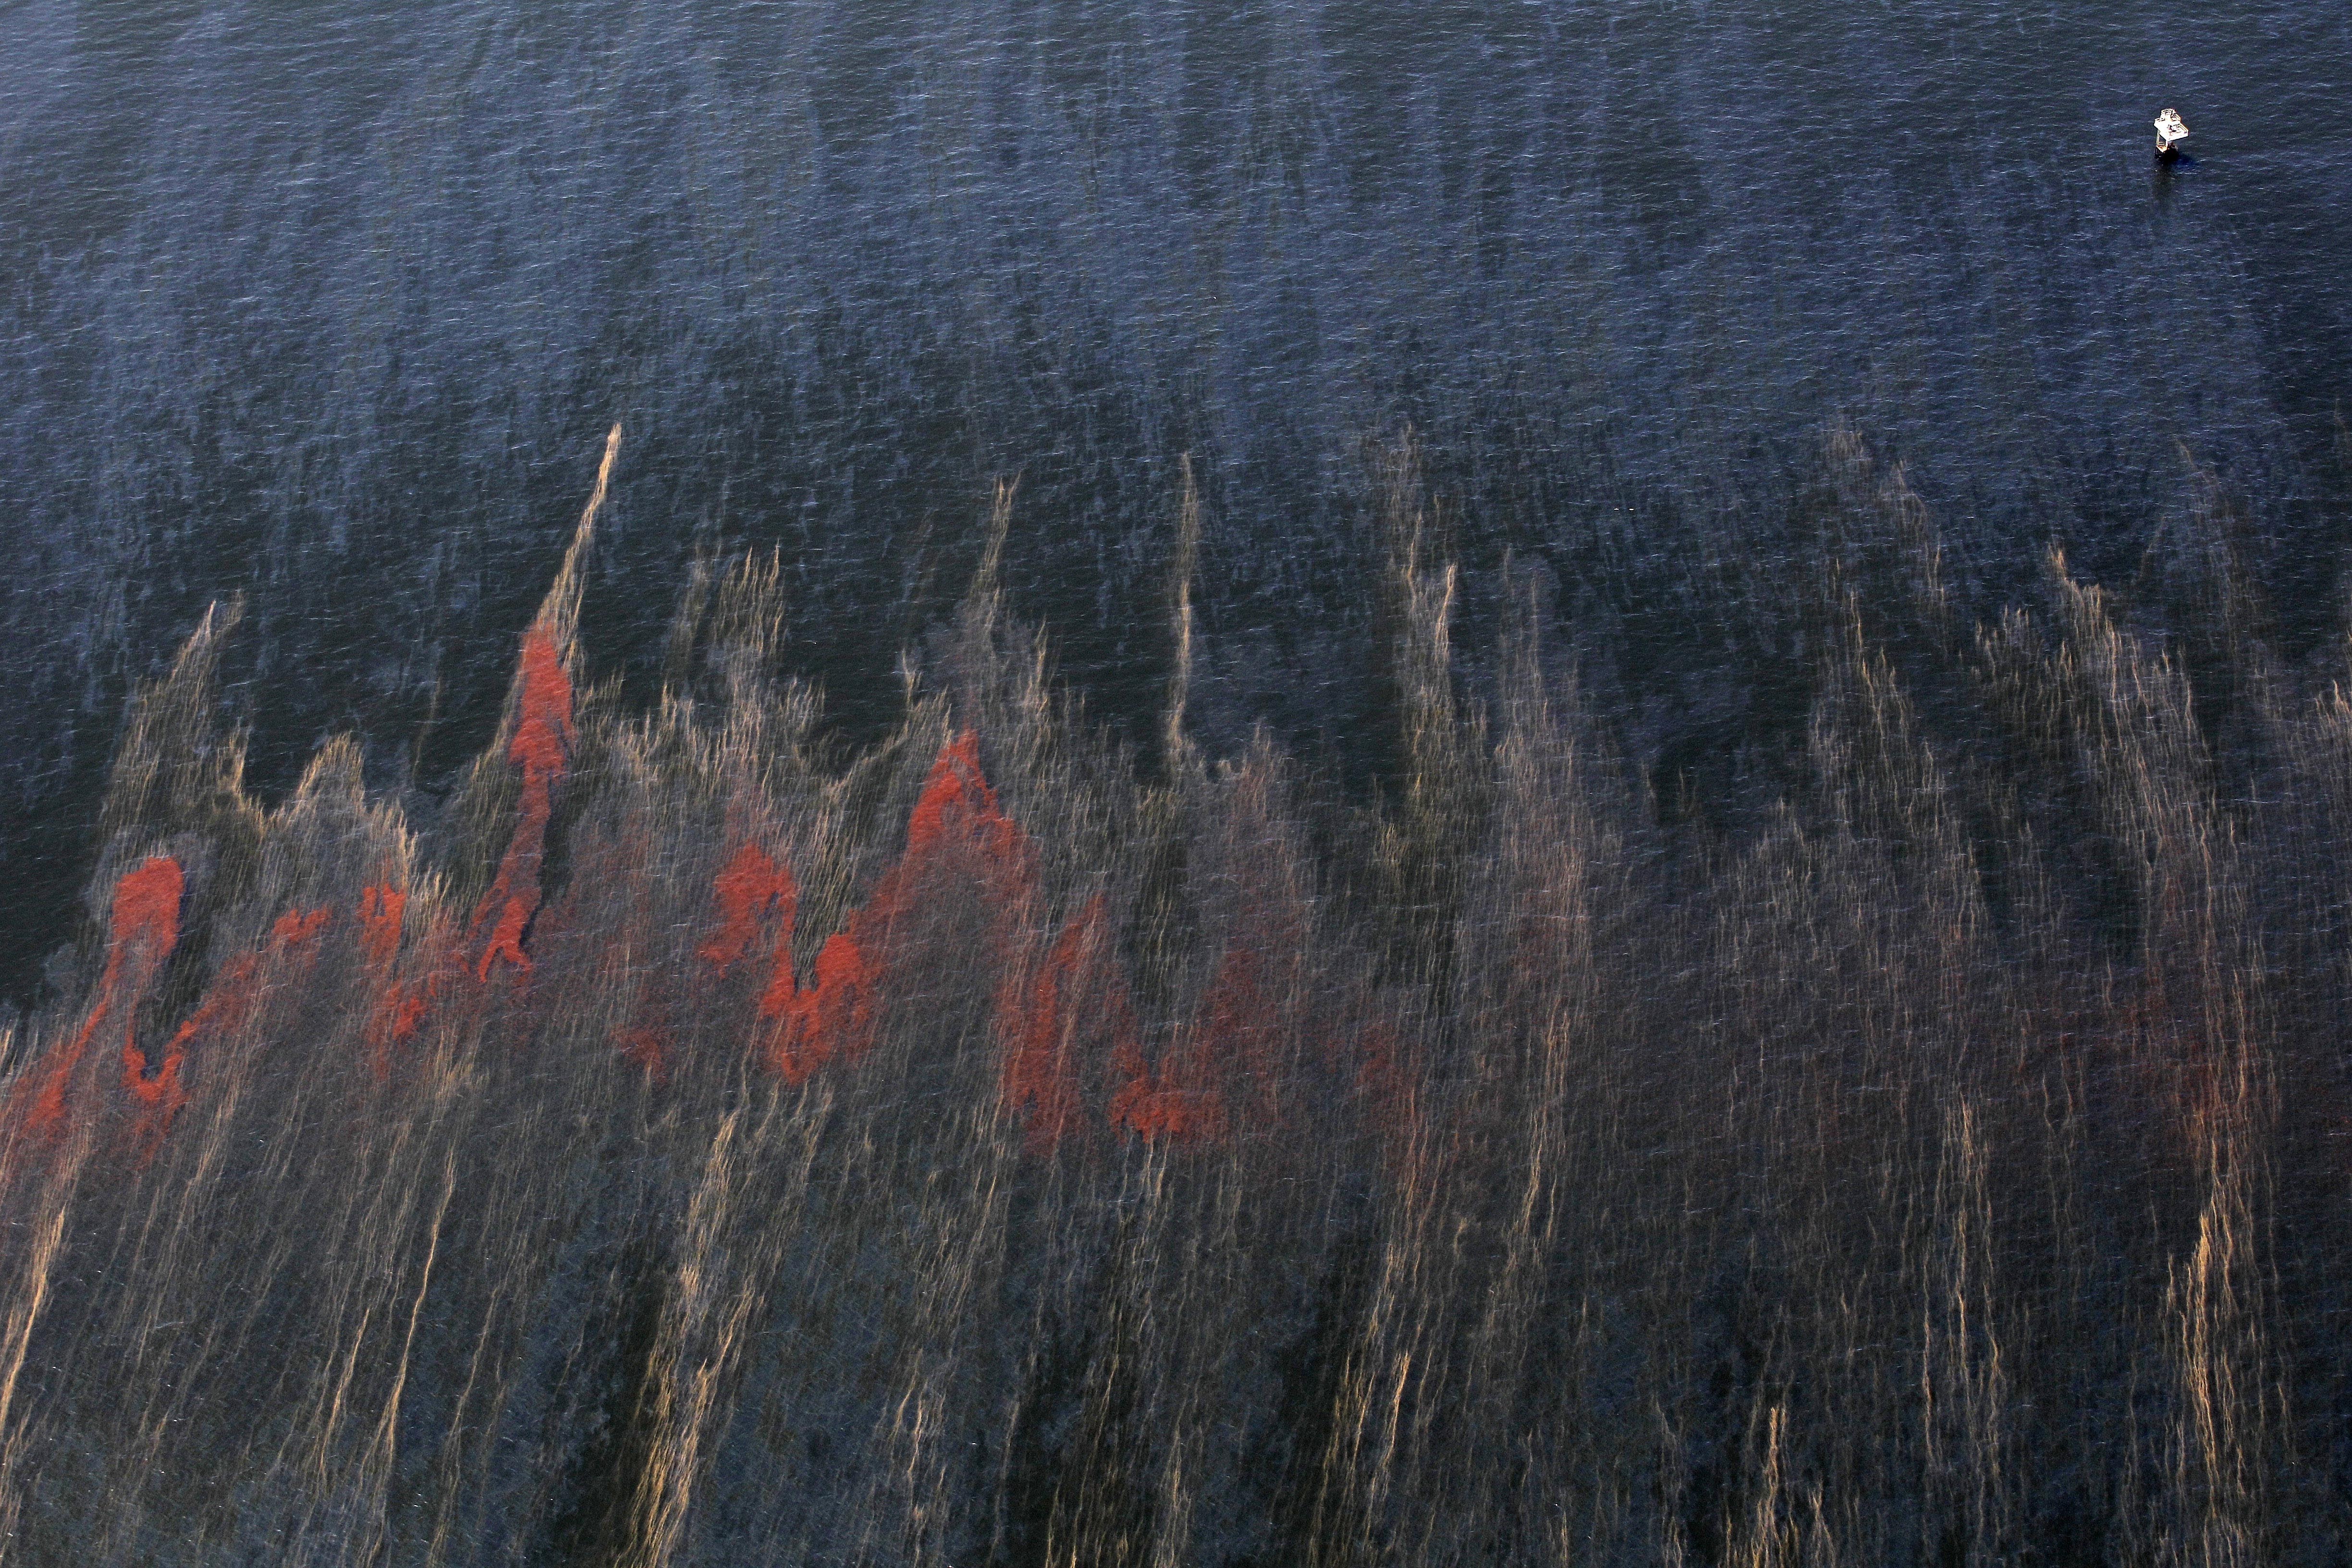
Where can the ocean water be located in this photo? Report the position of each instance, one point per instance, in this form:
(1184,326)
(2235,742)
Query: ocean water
(329,306)
(1352,785)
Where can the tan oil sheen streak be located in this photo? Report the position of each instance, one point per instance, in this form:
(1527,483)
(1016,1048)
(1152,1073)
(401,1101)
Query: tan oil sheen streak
(1846,1153)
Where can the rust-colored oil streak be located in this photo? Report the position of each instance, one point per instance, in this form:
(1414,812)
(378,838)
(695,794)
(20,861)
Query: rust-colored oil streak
(959,831)
(1382,1073)
(1059,1023)
(1229,1055)
(227,1008)
(648,1043)
(1243,1028)
(1226,1056)
(382,909)
(540,746)
(833,1018)
(1176,1099)
(752,885)
(957,834)
(406,1001)
(142,930)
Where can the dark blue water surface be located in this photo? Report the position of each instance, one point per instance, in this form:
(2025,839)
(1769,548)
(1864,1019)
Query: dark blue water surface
(330,304)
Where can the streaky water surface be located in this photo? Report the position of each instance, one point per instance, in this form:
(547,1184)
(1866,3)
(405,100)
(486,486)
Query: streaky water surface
(1353,787)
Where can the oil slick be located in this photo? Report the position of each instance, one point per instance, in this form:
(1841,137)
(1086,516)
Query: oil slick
(697,1145)
(142,930)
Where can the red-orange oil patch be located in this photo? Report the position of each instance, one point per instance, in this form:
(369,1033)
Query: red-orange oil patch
(957,829)
(142,929)
(406,1002)
(1241,1029)
(382,916)
(1178,1100)
(1230,1057)
(957,832)
(830,1020)
(296,927)
(227,1007)
(382,909)
(541,743)
(648,1046)
(515,911)
(753,885)
(1057,1022)
(1385,1082)
(542,737)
